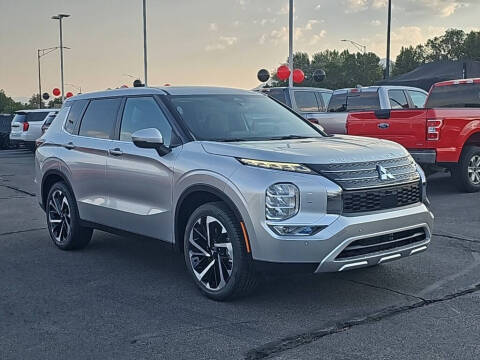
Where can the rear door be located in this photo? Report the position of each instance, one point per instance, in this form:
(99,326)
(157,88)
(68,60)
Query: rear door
(85,154)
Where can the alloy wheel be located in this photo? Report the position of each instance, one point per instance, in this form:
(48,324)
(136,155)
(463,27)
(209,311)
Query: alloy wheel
(474,170)
(59,216)
(210,252)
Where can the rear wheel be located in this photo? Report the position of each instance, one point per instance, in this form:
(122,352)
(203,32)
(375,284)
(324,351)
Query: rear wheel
(467,171)
(63,221)
(215,253)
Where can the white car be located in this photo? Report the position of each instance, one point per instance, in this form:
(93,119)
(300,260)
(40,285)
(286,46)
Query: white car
(26,126)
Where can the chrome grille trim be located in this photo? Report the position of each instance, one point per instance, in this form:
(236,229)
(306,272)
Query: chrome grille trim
(364,175)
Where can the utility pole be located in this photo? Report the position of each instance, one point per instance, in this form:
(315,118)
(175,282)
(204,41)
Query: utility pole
(59,17)
(145,41)
(389,25)
(290,43)
(40,54)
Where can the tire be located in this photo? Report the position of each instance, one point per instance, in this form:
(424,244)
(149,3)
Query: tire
(63,221)
(236,270)
(467,172)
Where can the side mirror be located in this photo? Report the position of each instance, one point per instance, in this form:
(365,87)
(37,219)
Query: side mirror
(382,114)
(150,138)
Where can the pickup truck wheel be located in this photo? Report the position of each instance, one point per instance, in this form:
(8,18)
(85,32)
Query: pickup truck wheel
(215,253)
(63,221)
(467,172)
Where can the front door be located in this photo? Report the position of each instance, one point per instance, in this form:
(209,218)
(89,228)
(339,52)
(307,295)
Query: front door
(140,180)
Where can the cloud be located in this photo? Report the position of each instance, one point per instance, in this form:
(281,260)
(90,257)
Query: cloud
(317,37)
(213,27)
(375,22)
(310,24)
(443,8)
(318,7)
(378,4)
(222,43)
(353,6)
(285,9)
(262,39)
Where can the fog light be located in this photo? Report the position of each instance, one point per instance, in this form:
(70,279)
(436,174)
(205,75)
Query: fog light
(296,230)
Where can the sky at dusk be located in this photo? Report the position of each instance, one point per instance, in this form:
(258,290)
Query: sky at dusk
(200,42)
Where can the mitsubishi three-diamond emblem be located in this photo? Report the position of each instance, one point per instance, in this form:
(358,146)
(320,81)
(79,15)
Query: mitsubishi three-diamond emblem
(384,174)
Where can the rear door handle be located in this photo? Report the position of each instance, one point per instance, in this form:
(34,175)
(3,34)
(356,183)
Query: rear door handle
(69,146)
(115,152)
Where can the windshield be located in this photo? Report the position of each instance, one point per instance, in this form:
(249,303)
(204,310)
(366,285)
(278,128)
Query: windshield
(240,118)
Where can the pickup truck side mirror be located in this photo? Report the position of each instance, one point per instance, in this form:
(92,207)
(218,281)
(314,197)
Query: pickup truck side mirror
(382,114)
(150,138)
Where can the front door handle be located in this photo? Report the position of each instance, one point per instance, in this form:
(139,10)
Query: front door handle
(115,152)
(383,125)
(69,146)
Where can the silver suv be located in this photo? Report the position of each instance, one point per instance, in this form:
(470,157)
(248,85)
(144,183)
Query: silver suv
(236,181)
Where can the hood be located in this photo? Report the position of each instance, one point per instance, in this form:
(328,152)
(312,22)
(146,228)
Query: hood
(326,150)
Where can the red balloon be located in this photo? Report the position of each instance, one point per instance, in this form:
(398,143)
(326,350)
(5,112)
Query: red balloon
(283,72)
(68,94)
(56,91)
(298,76)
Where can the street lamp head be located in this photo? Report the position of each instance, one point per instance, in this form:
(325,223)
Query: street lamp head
(60,16)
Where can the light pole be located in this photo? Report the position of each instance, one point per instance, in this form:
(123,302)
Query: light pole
(362,48)
(59,17)
(290,42)
(389,24)
(145,41)
(40,54)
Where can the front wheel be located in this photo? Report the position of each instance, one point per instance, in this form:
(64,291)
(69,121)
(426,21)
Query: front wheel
(467,171)
(216,255)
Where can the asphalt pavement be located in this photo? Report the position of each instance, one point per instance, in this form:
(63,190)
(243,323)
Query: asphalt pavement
(124,298)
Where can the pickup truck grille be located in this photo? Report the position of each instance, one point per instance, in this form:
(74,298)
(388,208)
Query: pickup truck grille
(381,198)
(366,175)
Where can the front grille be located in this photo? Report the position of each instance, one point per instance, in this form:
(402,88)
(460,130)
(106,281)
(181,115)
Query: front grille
(364,175)
(383,243)
(381,198)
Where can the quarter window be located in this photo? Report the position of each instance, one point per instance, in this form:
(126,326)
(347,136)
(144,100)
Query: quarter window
(99,118)
(143,113)
(398,100)
(418,98)
(306,101)
(74,115)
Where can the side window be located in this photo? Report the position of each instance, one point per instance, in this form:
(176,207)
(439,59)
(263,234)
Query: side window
(142,113)
(338,102)
(278,95)
(99,118)
(306,101)
(76,111)
(398,100)
(418,98)
(326,96)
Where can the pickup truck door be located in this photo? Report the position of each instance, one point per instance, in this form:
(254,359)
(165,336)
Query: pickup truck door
(406,127)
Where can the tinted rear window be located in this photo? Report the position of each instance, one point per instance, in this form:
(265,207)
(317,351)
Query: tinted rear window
(74,115)
(338,103)
(99,118)
(363,101)
(49,119)
(454,96)
(31,116)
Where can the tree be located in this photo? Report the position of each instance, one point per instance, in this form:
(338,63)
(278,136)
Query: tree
(472,46)
(33,101)
(449,46)
(8,105)
(55,103)
(409,59)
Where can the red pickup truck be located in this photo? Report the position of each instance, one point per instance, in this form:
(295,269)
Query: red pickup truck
(446,133)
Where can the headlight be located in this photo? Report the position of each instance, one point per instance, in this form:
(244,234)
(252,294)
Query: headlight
(277,165)
(281,201)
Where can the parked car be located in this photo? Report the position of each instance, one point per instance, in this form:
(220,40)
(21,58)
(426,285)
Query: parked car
(307,101)
(26,126)
(5,125)
(48,121)
(446,133)
(232,178)
(368,98)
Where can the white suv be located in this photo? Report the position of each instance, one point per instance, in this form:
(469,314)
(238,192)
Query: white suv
(27,126)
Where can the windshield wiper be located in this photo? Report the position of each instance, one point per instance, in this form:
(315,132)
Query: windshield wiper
(290,137)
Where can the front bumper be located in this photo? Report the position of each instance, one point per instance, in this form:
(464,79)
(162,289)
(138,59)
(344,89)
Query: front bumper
(324,247)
